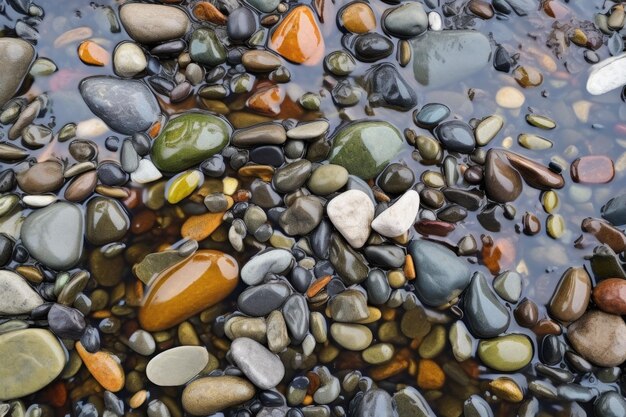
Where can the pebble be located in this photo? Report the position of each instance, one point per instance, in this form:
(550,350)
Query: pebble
(510,98)
(129,60)
(104,367)
(507,353)
(66,322)
(410,403)
(93,54)
(275,261)
(387,88)
(441,275)
(188,140)
(241,24)
(142,342)
(19,56)
(610,404)
(599,337)
(477,406)
(139,20)
(309,130)
(372,47)
(205,48)
(145,173)
(328,179)
(444,57)
(43,177)
(406,21)
(456,136)
(17,296)
(355,337)
(126,106)
(352,212)
(571,296)
(508,285)
(177,366)
(260,61)
(262,299)
(592,169)
(348,306)
(31,359)
(302,216)
(399,217)
(484,314)
(212,271)
(106,221)
(277,335)
(357,17)
(534,173)
(614,210)
(340,63)
(610,295)
(607,75)
(432,114)
(262,367)
(296,314)
(378,353)
(42,228)
(292,176)
(461,341)
(212,394)
(298,38)
(374,403)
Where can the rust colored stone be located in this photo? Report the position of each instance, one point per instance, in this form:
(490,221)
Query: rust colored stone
(610,296)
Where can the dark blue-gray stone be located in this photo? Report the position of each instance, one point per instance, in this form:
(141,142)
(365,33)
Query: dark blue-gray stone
(441,275)
(263,299)
(378,289)
(407,20)
(456,136)
(610,404)
(484,314)
(296,313)
(389,256)
(241,24)
(372,47)
(614,210)
(432,114)
(126,106)
(387,88)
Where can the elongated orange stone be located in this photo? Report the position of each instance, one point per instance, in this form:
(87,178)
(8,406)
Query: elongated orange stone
(104,367)
(298,37)
(188,287)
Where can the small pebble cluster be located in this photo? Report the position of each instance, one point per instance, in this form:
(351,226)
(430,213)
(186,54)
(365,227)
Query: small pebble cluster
(331,209)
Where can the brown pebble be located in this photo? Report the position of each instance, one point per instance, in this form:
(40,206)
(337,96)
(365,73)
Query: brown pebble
(481,9)
(530,224)
(605,233)
(526,313)
(610,295)
(571,296)
(81,187)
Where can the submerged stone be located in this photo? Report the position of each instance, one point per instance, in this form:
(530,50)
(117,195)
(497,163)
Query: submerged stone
(298,37)
(444,57)
(18,55)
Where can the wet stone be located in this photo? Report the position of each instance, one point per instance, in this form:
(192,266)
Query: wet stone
(296,314)
(177,366)
(43,177)
(42,228)
(610,404)
(302,216)
(262,299)
(241,24)
(19,56)
(614,210)
(352,213)
(441,276)
(610,295)
(275,261)
(508,286)
(486,317)
(262,367)
(387,88)
(571,296)
(288,42)
(599,337)
(106,221)
(66,322)
(32,358)
(506,353)
(139,21)
(127,106)
(354,337)
(349,306)
(371,47)
(593,169)
(18,297)
(406,21)
(456,136)
(212,394)
(358,17)
(398,218)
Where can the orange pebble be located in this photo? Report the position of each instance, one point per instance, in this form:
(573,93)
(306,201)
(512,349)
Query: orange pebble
(430,375)
(104,367)
(318,285)
(298,37)
(208,12)
(266,101)
(200,227)
(93,54)
(409,268)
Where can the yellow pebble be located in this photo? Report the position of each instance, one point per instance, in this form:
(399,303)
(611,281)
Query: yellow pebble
(230,185)
(506,389)
(182,185)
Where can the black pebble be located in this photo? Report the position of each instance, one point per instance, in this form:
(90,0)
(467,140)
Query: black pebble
(110,173)
(66,322)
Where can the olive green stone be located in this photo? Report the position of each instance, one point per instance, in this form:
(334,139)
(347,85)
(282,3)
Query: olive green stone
(506,353)
(365,148)
(340,63)
(487,129)
(433,343)
(378,353)
(541,122)
(106,221)
(534,142)
(155,263)
(327,179)
(414,323)
(205,48)
(31,359)
(188,140)
(429,149)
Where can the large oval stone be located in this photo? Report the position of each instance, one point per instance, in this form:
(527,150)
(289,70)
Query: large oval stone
(444,57)
(126,106)
(298,37)
(29,360)
(506,353)
(152,23)
(195,284)
(45,228)
(16,295)
(441,275)
(106,220)
(209,395)
(188,140)
(17,55)
(365,148)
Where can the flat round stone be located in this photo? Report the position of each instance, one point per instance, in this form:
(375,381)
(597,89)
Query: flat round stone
(176,366)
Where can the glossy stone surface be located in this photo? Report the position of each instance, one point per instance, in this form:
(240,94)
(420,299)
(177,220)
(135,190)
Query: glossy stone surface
(208,395)
(18,55)
(506,353)
(599,337)
(298,37)
(188,140)
(187,288)
(364,148)
(571,296)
